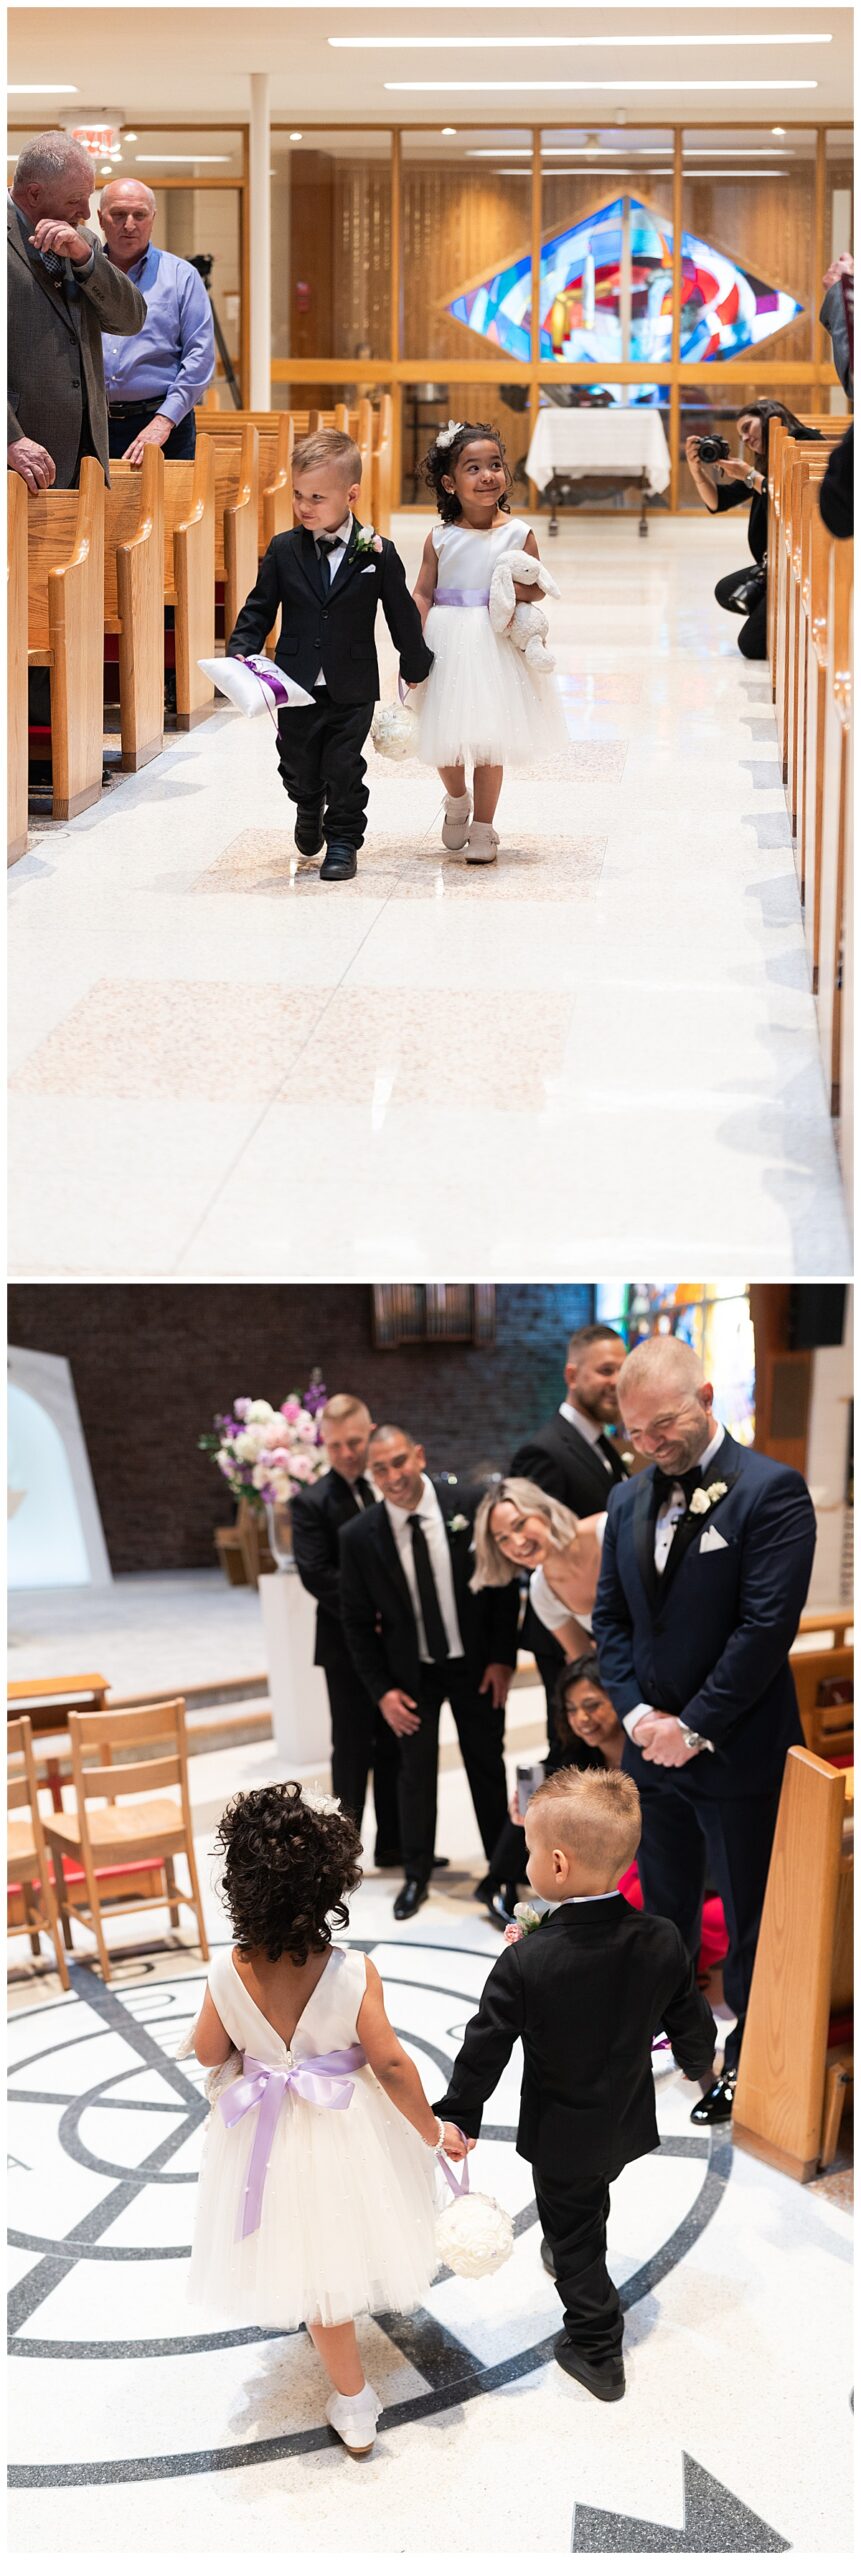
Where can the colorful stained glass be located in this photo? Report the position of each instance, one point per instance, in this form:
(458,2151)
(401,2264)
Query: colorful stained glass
(726,309)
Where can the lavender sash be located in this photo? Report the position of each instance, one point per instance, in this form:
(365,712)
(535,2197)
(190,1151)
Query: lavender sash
(462,595)
(325,2080)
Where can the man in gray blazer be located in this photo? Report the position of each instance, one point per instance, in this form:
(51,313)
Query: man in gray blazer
(63,292)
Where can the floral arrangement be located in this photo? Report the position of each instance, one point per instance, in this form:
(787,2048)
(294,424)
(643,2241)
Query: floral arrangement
(263,1450)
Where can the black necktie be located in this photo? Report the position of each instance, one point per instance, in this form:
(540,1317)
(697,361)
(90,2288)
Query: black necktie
(432,1617)
(665,1485)
(363,1490)
(608,1453)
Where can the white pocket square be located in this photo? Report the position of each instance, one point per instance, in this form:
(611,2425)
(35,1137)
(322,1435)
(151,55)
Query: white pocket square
(710,1540)
(368,573)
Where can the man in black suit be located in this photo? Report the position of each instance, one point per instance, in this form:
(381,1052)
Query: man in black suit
(418,1634)
(704,1574)
(361,1741)
(585,1992)
(572,1457)
(327,579)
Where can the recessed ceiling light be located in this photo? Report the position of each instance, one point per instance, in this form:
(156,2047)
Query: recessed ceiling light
(129,136)
(778,128)
(449,128)
(296,137)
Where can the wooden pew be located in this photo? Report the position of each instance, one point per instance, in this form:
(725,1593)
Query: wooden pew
(806,474)
(799,463)
(824,1689)
(846,1124)
(66,534)
(237,469)
(778,438)
(134,606)
(815,554)
(783,2104)
(275,436)
(836,815)
(16,666)
(189,577)
(382,466)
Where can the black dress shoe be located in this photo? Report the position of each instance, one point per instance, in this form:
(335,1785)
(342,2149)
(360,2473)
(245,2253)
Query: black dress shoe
(440,1862)
(412,1895)
(606,2381)
(716,2106)
(341,863)
(308,832)
(547,2258)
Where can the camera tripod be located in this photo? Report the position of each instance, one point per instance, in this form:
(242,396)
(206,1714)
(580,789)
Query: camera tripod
(204,264)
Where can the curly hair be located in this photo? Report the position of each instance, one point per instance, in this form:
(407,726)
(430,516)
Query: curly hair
(441,457)
(287,1871)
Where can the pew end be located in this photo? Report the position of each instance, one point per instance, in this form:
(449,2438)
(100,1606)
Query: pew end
(66,551)
(189,577)
(16,667)
(784,2105)
(134,609)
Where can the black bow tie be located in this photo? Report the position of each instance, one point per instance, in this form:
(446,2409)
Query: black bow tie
(327,542)
(666,1485)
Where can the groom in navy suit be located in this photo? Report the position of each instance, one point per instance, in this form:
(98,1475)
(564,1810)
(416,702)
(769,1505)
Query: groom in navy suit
(705,1570)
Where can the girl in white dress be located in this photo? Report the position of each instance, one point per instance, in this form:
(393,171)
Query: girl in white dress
(481,703)
(316,2193)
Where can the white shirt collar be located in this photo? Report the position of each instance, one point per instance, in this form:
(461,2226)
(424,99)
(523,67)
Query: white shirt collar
(709,1455)
(582,1422)
(426,1509)
(342,531)
(586,1897)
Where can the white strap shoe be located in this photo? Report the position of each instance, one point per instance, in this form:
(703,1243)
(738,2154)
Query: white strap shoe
(354,2419)
(481,842)
(455,825)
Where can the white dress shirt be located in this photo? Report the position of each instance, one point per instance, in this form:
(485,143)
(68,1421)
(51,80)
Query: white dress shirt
(334,559)
(673,1510)
(589,1430)
(436,1536)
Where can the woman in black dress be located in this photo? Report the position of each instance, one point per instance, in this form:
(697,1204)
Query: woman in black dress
(727,484)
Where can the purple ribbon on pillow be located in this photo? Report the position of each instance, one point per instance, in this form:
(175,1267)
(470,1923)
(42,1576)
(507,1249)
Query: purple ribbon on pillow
(325,2080)
(271,682)
(462,595)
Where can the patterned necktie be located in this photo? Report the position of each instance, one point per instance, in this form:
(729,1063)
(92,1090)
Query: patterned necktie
(432,1617)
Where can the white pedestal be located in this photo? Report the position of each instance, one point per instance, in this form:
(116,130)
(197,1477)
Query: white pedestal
(297,1689)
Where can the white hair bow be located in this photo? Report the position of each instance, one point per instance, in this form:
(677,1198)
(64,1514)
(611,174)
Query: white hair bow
(453,429)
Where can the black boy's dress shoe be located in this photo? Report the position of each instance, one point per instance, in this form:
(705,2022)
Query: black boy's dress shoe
(605,2381)
(410,1898)
(341,863)
(716,2106)
(308,831)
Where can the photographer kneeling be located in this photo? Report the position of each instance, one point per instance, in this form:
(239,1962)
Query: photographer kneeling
(724,482)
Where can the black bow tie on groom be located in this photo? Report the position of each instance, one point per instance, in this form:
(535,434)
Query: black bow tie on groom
(666,1485)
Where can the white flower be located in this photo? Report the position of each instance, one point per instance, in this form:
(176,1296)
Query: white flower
(248,1446)
(705,1495)
(474,2235)
(260,1411)
(459,1521)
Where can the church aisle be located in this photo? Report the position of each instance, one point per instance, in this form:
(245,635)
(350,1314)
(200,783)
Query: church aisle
(222,1068)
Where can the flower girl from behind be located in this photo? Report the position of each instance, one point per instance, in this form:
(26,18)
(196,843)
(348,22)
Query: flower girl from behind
(316,2196)
(481,704)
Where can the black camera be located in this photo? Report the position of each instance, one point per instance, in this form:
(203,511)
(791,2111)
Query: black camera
(713,449)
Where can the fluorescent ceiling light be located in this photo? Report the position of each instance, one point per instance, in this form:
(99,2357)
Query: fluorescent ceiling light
(611,150)
(623,88)
(559,44)
(40,89)
(184,159)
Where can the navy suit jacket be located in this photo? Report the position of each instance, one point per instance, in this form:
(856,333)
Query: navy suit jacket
(709,1639)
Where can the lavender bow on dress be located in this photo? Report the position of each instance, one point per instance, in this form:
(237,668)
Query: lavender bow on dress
(325,2080)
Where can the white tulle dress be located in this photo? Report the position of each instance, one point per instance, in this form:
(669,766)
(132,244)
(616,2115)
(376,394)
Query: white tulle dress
(481,704)
(348,2212)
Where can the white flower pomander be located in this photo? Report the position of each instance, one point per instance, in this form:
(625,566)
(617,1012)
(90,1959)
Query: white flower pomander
(474,2235)
(393,730)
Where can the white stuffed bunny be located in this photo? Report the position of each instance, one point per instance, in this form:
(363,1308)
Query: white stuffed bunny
(525,625)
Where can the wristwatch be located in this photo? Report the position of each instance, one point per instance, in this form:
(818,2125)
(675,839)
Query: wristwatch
(693,1741)
(750,478)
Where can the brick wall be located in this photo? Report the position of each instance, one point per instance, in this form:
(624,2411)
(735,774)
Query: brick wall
(152,1365)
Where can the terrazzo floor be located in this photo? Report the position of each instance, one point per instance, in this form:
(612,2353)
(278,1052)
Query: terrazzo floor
(221,1067)
(135,2426)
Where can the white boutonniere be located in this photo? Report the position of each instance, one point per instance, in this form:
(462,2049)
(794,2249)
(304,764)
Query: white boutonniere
(459,1521)
(368,540)
(705,1496)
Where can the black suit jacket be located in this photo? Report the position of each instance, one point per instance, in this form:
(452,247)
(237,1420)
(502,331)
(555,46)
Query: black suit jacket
(559,1459)
(585,1993)
(318,1513)
(330,623)
(378,1615)
(709,1638)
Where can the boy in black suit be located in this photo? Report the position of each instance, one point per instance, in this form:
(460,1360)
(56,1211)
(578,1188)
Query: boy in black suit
(327,578)
(586,1992)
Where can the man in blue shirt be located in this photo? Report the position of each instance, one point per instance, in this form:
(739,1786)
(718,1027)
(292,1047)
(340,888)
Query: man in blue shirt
(152,390)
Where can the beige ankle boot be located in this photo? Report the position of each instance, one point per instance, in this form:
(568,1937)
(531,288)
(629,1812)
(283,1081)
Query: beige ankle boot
(481,842)
(455,825)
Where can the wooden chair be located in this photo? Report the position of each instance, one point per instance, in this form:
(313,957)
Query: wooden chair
(189,577)
(66,535)
(157,1828)
(836,815)
(16,667)
(26,1860)
(784,2107)
(134,602)
(237,472)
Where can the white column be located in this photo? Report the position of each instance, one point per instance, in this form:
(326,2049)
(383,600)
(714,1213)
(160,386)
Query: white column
(260,244)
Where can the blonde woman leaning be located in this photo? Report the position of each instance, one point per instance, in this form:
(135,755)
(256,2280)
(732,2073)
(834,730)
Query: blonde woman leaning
(520,1528)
